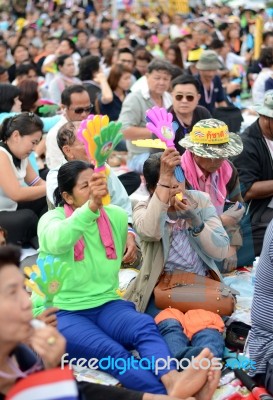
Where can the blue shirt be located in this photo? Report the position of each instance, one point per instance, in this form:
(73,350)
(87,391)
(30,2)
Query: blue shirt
(112,109)
(218,94)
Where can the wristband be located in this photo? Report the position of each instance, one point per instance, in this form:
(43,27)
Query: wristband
(165,186)
(35,180)
(130,230)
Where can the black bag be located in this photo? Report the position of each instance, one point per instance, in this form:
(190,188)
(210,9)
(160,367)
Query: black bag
(269,376)
(236,335)
(231,115)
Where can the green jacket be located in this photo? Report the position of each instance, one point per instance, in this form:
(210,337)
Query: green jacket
(94,280)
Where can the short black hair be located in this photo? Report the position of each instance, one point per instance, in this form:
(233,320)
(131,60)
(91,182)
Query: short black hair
(186,80)
(125,50)
(66,94)
(10,255)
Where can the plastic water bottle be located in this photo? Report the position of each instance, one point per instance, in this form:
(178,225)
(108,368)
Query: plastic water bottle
(254,269)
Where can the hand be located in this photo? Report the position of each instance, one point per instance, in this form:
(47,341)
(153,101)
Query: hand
(169,160)
(49,316)
(131,249)
(49,344)
(185,211)
(99,78)
(233,215)
(98,189)
(230,263)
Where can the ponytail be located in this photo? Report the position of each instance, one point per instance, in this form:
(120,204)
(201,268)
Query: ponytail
(57,197)
(4,129)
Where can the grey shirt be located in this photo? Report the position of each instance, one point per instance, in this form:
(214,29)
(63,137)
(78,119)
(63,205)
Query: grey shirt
(133,113)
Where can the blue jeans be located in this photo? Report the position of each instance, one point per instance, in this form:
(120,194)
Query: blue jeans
(181,347)
(111,330)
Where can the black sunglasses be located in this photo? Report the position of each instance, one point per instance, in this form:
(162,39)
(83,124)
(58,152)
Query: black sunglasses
(82,110)
(188,97)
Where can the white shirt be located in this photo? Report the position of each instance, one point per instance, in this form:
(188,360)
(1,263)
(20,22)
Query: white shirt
(7,204)
(54,156)
(258,88)
(233,59)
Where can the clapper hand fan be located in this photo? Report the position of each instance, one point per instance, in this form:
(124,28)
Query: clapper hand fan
(100,138)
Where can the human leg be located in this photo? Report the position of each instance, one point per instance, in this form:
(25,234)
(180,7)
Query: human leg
(39,206)
(132,328)
(85,339)
(178,343)
(210,338)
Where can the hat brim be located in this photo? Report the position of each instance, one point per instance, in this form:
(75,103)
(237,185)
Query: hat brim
(225,150)
(262,110)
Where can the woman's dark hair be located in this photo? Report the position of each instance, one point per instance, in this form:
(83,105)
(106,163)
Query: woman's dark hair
(88,66)
(266,57)
(116,73)
(16,47)
(28,94)
(61,60)
(67,179)
(151,170)
(108,56)
(8,93)
(26,123)
(10,255)
(71,44)
(178,61)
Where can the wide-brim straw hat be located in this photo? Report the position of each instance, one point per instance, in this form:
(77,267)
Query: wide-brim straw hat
(210,138)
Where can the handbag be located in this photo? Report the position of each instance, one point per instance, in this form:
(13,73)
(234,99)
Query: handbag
(188,291)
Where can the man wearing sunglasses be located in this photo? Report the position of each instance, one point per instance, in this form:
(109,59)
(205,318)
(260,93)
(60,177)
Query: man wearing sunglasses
(76,106)
(185,109)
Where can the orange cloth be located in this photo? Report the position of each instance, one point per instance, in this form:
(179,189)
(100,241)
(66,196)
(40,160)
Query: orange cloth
(197,320)
(193,321)
(170,313)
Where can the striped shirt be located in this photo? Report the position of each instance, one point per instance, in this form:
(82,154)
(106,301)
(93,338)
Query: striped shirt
(182,255)
(261,334)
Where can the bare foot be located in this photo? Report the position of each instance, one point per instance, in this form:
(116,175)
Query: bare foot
(210,386)
(186,383)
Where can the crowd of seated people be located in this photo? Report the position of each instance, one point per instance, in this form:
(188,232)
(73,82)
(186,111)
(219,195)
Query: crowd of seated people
(57,68)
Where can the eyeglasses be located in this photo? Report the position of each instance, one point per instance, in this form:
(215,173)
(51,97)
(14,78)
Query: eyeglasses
(82,110)
(188,97)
